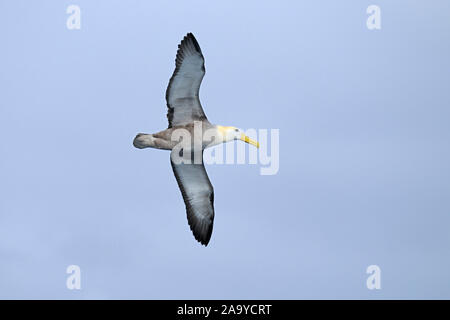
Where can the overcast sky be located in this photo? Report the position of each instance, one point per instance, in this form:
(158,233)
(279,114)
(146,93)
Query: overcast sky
(364,175)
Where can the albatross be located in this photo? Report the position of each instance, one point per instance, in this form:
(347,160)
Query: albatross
(186,115)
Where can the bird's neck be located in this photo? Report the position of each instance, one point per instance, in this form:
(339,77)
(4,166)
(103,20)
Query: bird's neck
(222,132)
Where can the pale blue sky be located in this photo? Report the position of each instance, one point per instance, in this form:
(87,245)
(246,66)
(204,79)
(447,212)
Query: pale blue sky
(364,159)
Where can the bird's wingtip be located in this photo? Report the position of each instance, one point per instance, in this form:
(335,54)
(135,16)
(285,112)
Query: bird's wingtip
(202,239)
(201,234)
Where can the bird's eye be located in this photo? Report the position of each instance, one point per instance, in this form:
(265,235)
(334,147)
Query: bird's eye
(237,130)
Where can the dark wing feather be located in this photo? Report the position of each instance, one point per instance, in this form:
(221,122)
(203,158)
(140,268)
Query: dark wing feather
(182,93)
(198,195)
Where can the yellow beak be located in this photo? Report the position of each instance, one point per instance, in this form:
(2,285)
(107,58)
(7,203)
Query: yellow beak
(248,140)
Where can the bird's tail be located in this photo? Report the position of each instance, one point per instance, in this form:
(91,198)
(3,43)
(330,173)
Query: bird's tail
(143,140)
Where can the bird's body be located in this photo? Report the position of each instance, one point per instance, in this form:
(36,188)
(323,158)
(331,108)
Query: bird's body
(188,134)
(164,139)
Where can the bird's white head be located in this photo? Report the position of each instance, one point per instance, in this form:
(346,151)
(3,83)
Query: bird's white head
(233,133)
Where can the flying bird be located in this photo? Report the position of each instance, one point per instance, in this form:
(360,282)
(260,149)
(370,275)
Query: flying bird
(186,115)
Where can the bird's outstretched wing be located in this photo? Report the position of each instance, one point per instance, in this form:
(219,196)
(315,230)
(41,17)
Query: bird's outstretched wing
(182,98)
(198,195)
